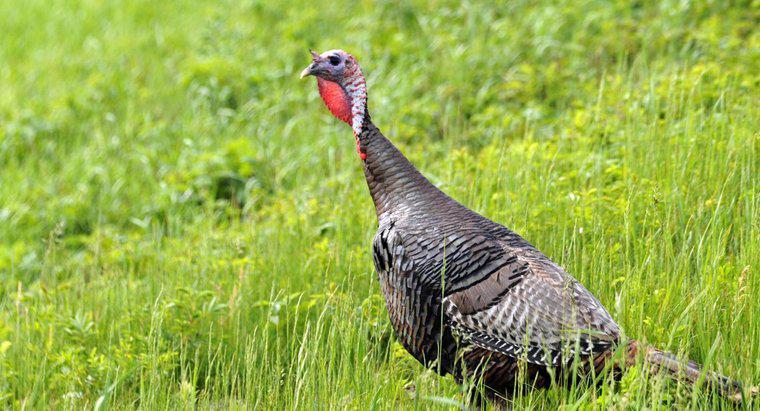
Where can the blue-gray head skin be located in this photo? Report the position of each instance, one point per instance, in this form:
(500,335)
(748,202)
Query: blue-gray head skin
(330,65)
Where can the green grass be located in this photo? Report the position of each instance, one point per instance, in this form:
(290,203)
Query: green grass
(182,223)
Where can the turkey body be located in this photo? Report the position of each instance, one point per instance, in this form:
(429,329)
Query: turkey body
(466,295)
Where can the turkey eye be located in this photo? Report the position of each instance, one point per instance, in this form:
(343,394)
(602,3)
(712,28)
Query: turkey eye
(334,60)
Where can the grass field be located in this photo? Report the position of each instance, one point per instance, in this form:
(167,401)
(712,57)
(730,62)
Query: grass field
(183,224)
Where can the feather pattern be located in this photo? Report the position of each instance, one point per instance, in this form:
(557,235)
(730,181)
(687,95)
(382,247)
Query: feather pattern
(449,274)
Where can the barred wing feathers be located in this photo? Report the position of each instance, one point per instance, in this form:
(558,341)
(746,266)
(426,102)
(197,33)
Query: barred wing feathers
(546,318)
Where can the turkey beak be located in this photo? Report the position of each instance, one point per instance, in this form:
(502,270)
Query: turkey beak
(312,69)
(309,71)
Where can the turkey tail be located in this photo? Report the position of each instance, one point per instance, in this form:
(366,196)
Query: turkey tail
(687,371)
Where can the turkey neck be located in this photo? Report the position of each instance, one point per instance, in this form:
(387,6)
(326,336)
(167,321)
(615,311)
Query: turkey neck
(394,183)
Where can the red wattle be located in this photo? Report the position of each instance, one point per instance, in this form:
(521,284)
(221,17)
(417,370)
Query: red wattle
(336,99)
(339,103)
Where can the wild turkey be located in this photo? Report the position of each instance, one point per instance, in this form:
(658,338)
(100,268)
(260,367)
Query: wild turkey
(465,295)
